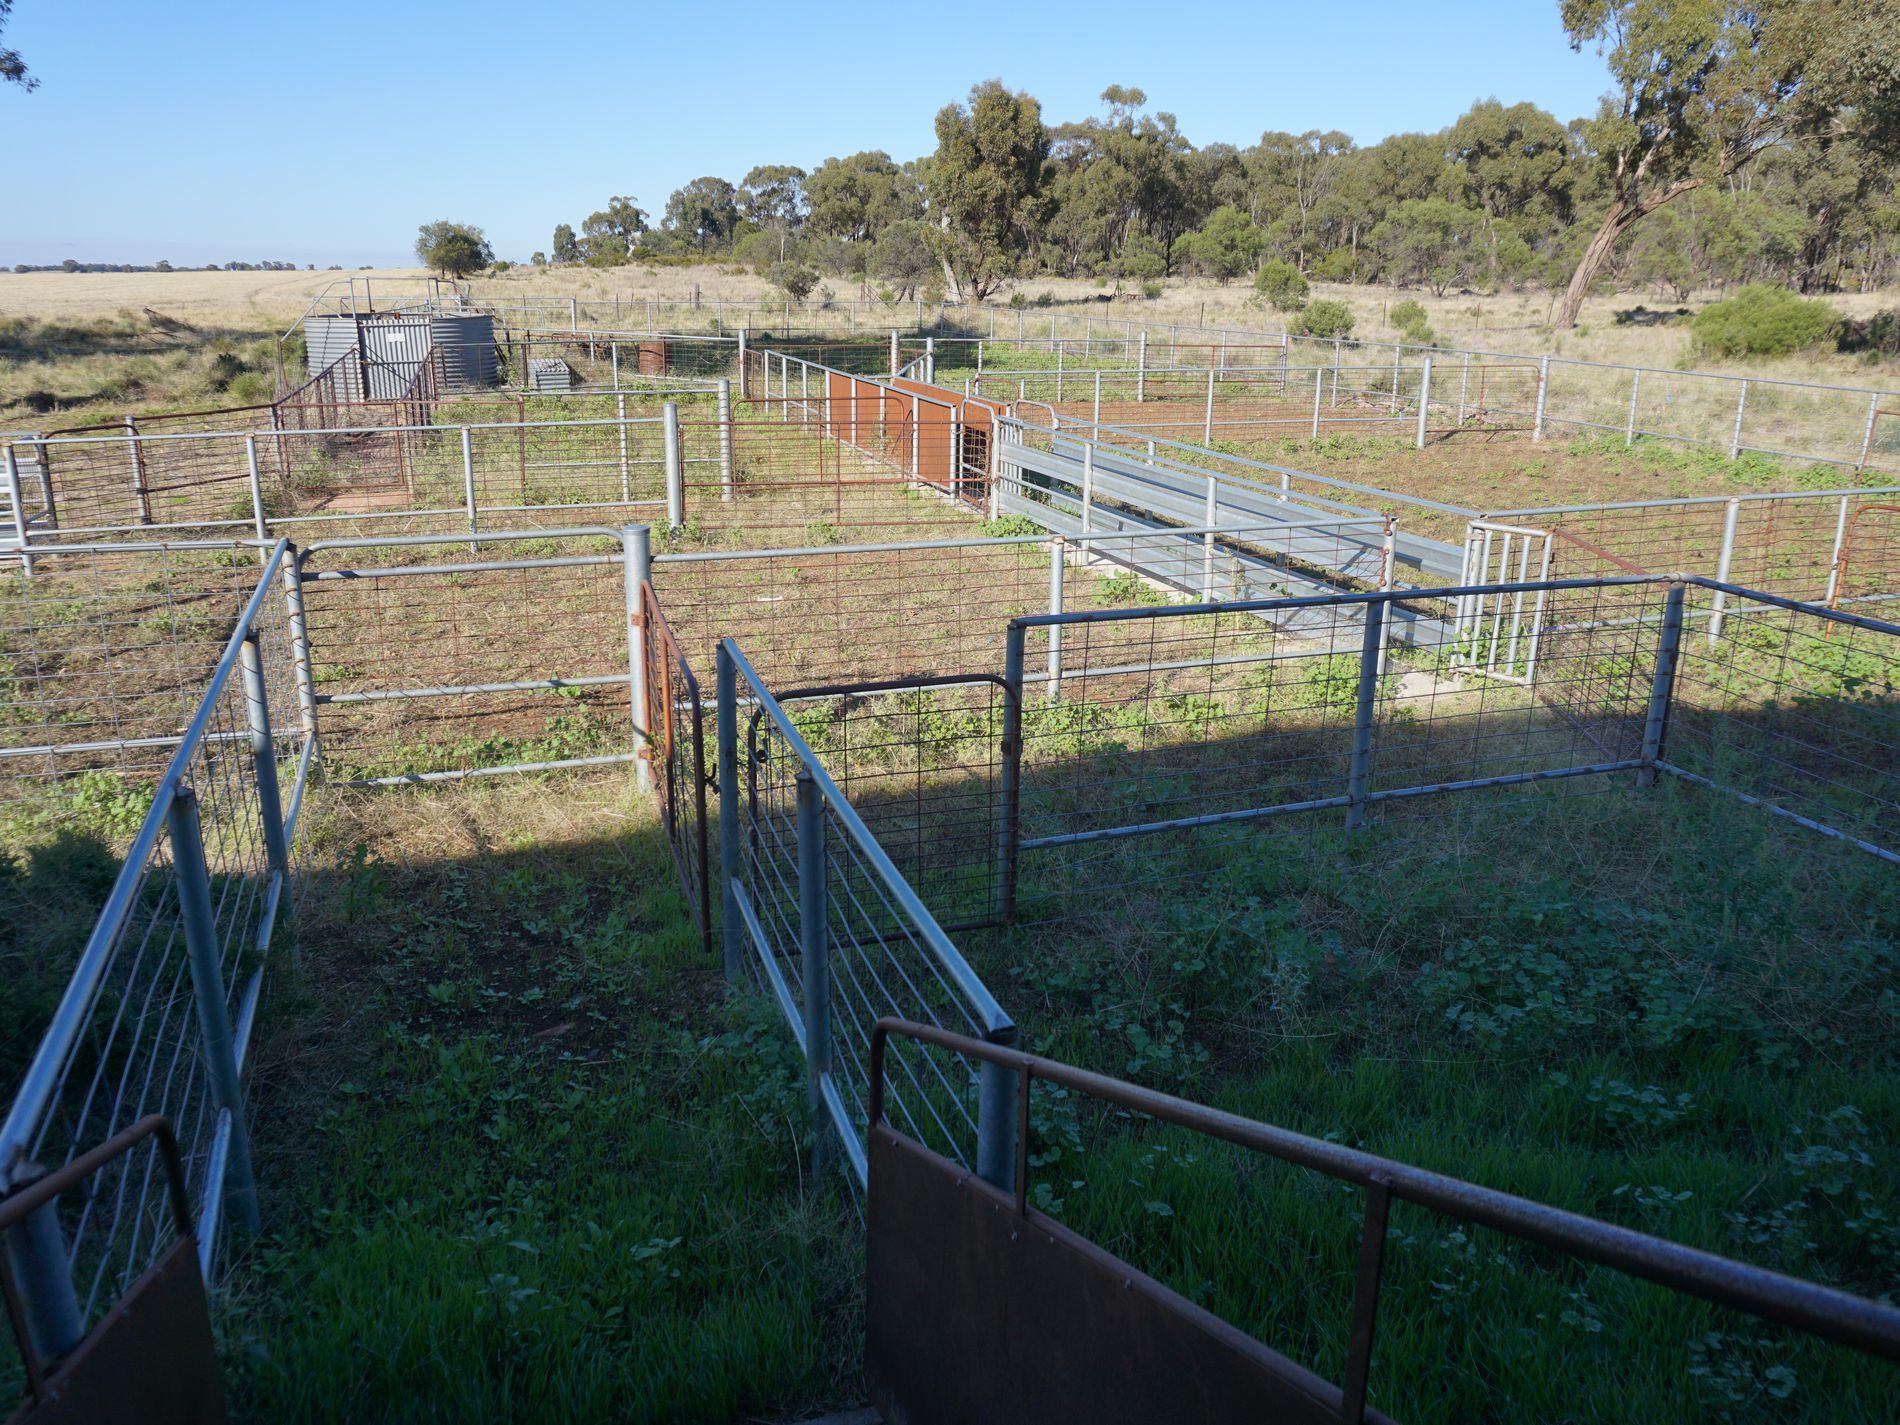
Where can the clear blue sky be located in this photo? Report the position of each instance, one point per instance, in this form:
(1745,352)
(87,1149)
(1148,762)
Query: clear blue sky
(209,131)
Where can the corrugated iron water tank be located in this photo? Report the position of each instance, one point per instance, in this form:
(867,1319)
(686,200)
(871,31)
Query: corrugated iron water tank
(394,345)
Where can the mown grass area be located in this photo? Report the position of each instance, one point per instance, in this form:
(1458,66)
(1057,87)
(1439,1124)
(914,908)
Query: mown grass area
(1656,1007)
(521,1155)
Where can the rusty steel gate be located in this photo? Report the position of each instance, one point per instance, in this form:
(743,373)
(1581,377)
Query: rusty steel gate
(676,753)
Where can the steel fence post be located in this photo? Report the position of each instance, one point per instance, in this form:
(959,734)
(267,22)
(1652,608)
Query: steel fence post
(1662,686)
(207,986)
(725,440)
(727,727)
(299,630)
(1207,540)
(1057,550)
(264,757)
(613,354)
(636,560)
(1398,356)
(36,1248)
(1543,393)
(930,361)
(1371,651)
(814,943)
(1464,387)
(1097,417)
(804,393)
(1009,778)
(996,1116)
(1207,420)
(1866,439)
(1059,357)
(1141,367)
(1834,557)
(573,315)
(675,467)
(1741,405)
(1319,381)
(626,470)
(1424,400)
(257,495)
(745,378)
(19,509)
(1718,607)
(468,482)
(1088,487)
(893,351)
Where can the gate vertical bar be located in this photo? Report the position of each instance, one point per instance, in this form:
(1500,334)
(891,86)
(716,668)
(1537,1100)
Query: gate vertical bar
(19,509)
(207,987)
(1057,550)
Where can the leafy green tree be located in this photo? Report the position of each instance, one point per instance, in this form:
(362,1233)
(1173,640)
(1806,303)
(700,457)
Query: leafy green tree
(1702,88)
(539,259)
(703,214)
(794,279)
(1325,319)
(858,197)
(1431,241)
(1226,246)
(1293,176)
(453,249)
(985,187)
(13,68)
(611,234)
(566,249)
(1142,259)
(772,199)
(1281,284)
(902,258)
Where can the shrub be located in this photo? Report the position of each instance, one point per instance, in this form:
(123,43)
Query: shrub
(1326,318)
(1281,284)
(1406,315)
(793,278)
(1762,320)
(1874,338)
(250,388)
(1151,290)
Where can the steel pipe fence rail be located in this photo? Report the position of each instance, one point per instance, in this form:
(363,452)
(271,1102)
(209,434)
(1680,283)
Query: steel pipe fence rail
(162,1002)
(816,912)
(1830,1314)
(104,651)
(438,657)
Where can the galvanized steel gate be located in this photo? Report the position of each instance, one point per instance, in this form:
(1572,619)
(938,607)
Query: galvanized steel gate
(676,753)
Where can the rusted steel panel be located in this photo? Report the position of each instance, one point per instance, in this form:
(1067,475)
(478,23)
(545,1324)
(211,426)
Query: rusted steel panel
(151,1360)
(974,1312)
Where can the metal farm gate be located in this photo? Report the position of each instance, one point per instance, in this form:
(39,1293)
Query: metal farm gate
(676,755)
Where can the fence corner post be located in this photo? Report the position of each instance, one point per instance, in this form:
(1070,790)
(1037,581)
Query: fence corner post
(1662,686)
(996,1092)
(725,440)
(37,1249)
(727,736)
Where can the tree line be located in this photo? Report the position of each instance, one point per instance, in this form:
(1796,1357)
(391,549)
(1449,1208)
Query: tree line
(1741,141)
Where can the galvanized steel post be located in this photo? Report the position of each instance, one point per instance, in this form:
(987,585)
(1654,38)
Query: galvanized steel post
(636,559)
(1662,686)
(1371,653)
(613,355)
(725,440)
(1097,417)
(207,990)
(257,495)
(675,467)
(1741,405)
(893,351)
(1141,367)
(930,361)
(916,437)
(996,1117)
(19,509)
(264,758)
(468,482)
(299,629)
(1629,421)
(728,758)
(1834,558)
(745,378)
(1212,514)
(1088,486)
(1009,777)
(814,944)
(1057,551)
(1207,421)
(626,470)
(1866,439)
(1723,560)
(36,1249)
(1464,386)
(1543,392)
(1424,400)
(1319,381)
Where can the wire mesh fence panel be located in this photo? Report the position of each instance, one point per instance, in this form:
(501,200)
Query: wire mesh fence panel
(434,661)
(104,653)
(162,998)
(1794,709)
(823,920)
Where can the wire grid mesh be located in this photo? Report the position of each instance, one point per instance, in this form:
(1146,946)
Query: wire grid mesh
(1793,544)
(432,657)
(1794,709)
(127,1040)
(103,658)
(884,953)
